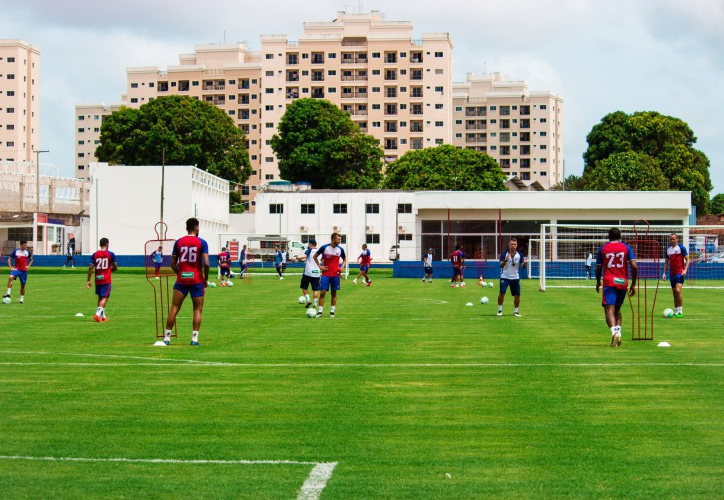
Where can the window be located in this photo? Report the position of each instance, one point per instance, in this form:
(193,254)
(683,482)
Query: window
(11,77)
(11,59)
(543,106)
(269,177)
(276,208)
(543,120)
(339,208)
(372,208)
(438,124)
(438,106)
(438,54)
(307,208)
(269,56)
(404,237)
(306,238)
(269,159)
(134,85)
(404,208)
(372,239)
(438,88)
(375,55)
(10,110)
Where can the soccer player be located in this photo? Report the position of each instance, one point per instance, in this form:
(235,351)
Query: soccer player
(311,276)
(242,262)
(157,259)
(69,251)
(333,259)
(510,261)
(23,260)
(458,264)
(677,262)
(279,261)
(190,262)
(589,263)
(427,265)
(224,261)
(103,263)
(614,259)
(365,260)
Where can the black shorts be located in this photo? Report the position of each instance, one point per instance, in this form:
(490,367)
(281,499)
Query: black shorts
(309,280)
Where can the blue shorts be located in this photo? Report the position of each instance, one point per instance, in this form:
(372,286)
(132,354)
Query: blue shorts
(513,284)
(23,275)
(224,271)
(457,271)
(308,281)
(195,290)
(103,291)
(329,281)
(364,269)
(613,296)
(676,279)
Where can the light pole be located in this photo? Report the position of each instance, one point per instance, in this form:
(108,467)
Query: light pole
(37,196)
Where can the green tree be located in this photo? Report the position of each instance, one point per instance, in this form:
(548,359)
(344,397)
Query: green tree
(444,168)
(190,131)
(572,183)
(627,171)
(668,141)
(717,204)
(319,143)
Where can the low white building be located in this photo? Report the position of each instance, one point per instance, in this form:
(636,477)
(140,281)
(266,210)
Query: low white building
(478,221)
(125,204)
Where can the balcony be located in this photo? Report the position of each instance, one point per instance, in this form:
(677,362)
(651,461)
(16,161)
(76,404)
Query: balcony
(469,112)
(354,95)
(475,126)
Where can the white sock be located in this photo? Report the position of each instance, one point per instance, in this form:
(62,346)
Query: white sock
(194,336)
(500,308)
(167,335)
(515,310)
(354,281)
(320,309)
(9,290)
(99,311)
(316,302)
(614,329)
(22,297)
(331,309)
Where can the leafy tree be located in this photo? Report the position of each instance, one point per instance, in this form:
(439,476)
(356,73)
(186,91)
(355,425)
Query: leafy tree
(572,183)
(319,143)
(190,131)
(668,141)
(443,168)
(717,204)
(627,171)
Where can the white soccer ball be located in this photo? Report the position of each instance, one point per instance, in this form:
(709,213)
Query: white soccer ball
(302,299)
(484,300)
(483,283)
(311,313)
(229,283)
(212,284)
(490,284)
(668,313)
(6,300)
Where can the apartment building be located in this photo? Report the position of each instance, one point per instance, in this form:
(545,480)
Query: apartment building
(19,100)
(397,88)
(88,120)
(521,129)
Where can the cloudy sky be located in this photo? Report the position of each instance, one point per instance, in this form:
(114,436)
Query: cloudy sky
(600,56)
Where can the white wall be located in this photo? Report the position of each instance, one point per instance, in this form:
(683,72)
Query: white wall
(125,204)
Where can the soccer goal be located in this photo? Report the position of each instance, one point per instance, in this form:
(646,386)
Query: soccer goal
(261,251)
(559,256)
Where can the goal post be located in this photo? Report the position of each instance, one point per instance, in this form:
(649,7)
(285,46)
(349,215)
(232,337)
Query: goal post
(559,255)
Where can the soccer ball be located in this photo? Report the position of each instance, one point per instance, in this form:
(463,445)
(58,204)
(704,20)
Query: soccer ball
(212,284)
(6,300)
(482,283)
(484,300)
(490,284)
(302,299)
(229,283)
(668,313)
(311,313)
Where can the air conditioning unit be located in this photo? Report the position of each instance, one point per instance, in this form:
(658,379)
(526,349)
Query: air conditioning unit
(369,229)
(401,229)
(303,229)
(337,228)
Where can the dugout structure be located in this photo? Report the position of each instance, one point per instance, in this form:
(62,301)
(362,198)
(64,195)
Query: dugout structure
(558,256)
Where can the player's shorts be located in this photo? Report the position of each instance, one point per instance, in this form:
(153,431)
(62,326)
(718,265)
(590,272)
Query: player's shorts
(103,291)
(613,296)
(329,281)
(22,275)
(224,271)
(157,265)
(428,269)
(364,269)
(308,281)
(457,271)
(676,279)
(196,290)
(513,284)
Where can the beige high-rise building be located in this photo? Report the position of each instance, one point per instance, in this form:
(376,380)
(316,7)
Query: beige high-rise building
(19,100)
(521,129)
(396,88)
(88,121)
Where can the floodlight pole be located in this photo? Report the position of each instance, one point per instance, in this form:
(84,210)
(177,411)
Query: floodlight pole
(37,196)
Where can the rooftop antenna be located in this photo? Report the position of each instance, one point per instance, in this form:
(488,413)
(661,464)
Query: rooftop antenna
(224,37)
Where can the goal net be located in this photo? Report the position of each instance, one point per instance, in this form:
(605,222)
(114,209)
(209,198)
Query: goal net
(559,257)
(261,252)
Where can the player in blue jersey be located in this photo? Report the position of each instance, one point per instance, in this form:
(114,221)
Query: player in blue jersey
(242,261)
(157,260)
(279,261)
(333,259)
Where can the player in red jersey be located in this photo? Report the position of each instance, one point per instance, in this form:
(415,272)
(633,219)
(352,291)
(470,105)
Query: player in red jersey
(677,262)
(23,260)
(365,260)
(103,263)
(190,262)
(333,258)
(457,259)
(613,260)
(224,261)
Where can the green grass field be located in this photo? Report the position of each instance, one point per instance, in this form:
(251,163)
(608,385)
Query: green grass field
(411,393)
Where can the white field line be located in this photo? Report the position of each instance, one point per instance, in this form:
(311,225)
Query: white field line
(310,490)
